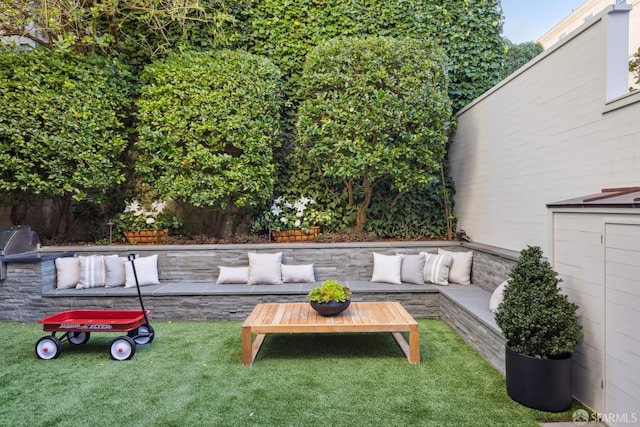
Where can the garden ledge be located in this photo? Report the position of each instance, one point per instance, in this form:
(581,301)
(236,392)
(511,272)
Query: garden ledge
(188,290)
(205,289)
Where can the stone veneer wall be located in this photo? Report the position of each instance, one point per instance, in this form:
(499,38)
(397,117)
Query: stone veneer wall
(21,294)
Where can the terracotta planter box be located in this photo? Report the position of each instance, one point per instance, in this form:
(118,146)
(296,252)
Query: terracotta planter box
(295,235)
(145,236)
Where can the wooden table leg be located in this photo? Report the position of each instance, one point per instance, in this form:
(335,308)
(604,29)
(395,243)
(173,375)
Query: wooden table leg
(414,344)
(247,356)
(250,349)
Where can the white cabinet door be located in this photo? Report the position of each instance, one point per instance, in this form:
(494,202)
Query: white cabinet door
(622,324)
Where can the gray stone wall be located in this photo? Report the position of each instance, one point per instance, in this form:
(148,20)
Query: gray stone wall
(21,294)
(199,263)
(223,307)
(486,340)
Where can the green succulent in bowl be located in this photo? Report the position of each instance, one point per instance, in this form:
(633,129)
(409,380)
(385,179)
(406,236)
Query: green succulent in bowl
(331,290)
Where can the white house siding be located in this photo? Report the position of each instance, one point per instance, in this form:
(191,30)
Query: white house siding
(540,136)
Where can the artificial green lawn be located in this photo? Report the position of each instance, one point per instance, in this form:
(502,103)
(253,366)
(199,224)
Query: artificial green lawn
(191,375)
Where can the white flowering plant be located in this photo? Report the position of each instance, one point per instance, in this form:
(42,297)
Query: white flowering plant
(136,217)
(302,214)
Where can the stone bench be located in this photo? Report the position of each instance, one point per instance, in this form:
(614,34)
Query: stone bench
(466,310)
(188,290)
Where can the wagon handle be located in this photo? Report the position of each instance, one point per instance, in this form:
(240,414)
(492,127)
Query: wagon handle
(131,257)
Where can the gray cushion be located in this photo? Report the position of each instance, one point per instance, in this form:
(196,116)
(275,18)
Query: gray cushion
(114,272)
(412,270)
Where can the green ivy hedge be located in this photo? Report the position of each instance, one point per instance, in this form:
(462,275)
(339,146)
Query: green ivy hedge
(469,31)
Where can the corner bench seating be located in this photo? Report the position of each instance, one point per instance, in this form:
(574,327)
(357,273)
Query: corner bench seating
(187,288)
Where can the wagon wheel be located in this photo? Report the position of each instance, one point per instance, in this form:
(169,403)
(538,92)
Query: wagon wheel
(142,335)
(122,348)
(48,348)
(78,338)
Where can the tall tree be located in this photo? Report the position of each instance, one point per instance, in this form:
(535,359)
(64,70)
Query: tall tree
(208,124)
(375,109)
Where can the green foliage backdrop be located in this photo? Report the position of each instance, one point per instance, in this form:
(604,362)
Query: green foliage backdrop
(517,55)
(62,127)
(137,32)
(469,31)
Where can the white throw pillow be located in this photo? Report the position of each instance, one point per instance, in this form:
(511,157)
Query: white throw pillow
(91,272)
(412,270)
(436,268)
(67,272)
(460,271)
(264,269)
(497,296)
(387,268)
(302,273)
(114,271)
(233,275)
(146,271)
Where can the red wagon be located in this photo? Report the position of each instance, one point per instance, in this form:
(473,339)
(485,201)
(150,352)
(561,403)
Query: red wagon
(77,326)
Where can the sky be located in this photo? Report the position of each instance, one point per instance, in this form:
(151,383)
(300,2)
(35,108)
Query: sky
(527,20)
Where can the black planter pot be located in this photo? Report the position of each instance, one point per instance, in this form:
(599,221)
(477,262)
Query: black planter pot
(543,384)
(330,308)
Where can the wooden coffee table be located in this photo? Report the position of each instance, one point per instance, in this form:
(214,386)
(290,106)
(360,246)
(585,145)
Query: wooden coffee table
(287,318)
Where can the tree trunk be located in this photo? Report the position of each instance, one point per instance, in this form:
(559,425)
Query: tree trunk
(349,185)
(361,218)
(61,226)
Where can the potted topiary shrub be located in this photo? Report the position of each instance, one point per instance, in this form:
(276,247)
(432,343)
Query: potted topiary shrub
(330,299)
(541,328)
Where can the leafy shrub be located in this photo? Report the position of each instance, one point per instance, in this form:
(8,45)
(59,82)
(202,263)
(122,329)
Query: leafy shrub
(534,316)
(62,127)
(208,123)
